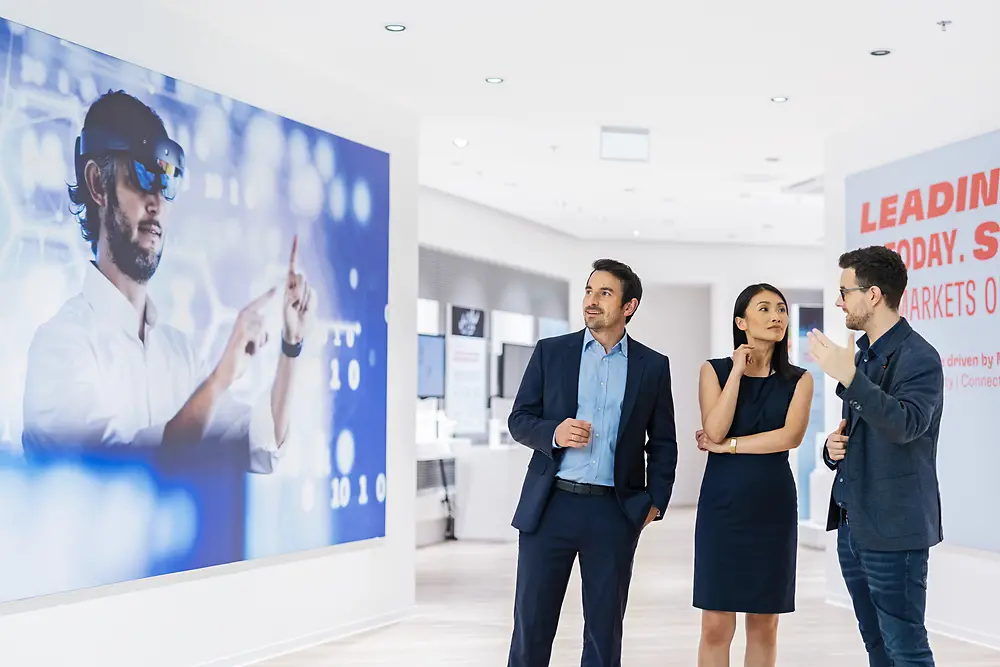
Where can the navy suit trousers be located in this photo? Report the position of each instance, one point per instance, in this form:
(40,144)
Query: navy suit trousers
(595,528)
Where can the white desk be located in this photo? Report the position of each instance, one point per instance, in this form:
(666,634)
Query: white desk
(488,484)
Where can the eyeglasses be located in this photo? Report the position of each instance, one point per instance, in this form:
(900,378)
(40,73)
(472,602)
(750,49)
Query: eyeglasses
(845,290)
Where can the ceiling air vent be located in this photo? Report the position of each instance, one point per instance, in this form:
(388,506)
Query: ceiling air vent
(625,144)
(813,186)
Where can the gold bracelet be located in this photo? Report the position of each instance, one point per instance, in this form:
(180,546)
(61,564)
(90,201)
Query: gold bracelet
(732,446)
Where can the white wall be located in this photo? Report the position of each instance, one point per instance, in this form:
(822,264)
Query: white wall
(230,614)
(681,332)
(963,585)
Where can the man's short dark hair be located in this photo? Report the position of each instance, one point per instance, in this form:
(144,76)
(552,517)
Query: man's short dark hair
(631,285)
(878,266)
(113,110)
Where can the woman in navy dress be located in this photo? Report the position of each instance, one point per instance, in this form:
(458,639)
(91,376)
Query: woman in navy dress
(754,409)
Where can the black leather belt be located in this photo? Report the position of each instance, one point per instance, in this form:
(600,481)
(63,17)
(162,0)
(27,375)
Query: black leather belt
(581,488)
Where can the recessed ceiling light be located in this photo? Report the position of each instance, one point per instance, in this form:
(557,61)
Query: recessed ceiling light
(635,232)
(494,79)
(395,27)
(779,99)
(460,142)
(881,52)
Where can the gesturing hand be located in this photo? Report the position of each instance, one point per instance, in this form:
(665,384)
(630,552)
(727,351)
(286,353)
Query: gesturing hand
(573,433)
(298,300)
(836,361)
(246,340)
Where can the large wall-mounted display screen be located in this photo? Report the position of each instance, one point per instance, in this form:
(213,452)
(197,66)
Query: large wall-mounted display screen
(193,312)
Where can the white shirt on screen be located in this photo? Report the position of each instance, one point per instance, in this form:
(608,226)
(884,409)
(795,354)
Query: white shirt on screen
(92,380)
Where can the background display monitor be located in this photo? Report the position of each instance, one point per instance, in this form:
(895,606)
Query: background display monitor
(513,361)
(430,366)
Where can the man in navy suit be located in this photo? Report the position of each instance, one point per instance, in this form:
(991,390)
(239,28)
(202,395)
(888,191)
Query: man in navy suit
(885,502)
(596,407)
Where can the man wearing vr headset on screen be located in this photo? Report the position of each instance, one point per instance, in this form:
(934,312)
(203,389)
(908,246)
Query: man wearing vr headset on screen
(104,372)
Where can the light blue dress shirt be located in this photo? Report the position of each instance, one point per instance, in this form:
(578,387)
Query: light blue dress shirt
(601,392)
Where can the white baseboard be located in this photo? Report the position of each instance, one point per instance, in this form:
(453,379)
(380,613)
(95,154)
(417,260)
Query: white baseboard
(308,641)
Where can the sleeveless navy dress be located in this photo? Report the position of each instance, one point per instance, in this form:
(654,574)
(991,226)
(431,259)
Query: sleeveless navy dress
(746,533)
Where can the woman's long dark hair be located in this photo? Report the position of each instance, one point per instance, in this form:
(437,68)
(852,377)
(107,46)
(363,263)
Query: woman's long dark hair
(779,360)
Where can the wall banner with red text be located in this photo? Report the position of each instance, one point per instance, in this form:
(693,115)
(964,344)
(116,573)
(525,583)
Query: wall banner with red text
(940,211)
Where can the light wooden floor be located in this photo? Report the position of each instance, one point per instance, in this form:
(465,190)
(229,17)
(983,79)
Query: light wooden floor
(465,593)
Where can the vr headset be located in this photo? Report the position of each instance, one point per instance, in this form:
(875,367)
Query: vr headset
(155,164)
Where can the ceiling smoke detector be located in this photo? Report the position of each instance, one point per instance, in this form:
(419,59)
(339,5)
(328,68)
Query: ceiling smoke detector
(626,144)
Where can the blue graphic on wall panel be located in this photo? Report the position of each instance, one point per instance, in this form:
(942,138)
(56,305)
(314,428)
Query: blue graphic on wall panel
(88,496)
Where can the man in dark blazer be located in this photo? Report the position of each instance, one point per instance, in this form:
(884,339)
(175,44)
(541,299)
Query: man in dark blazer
(885,502)
(596,407)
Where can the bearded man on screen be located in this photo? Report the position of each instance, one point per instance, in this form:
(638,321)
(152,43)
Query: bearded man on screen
(104,371)
(885,503)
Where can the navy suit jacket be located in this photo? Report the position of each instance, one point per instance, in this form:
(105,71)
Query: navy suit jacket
(646,449)
(889,474)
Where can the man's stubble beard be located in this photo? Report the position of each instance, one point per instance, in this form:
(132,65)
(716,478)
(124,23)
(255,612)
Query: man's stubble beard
(138,264)
(857,322)
(604,323)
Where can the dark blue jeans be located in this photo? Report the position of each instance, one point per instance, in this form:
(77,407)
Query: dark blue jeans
(889,591)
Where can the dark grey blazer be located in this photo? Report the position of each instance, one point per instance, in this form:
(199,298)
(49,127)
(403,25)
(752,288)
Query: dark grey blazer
(889,474)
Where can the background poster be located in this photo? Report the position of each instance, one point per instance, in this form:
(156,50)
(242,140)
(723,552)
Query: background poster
(466,383)
(939,211)
(253,181)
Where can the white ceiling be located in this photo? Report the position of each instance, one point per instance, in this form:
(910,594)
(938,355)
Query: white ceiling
(699,75)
